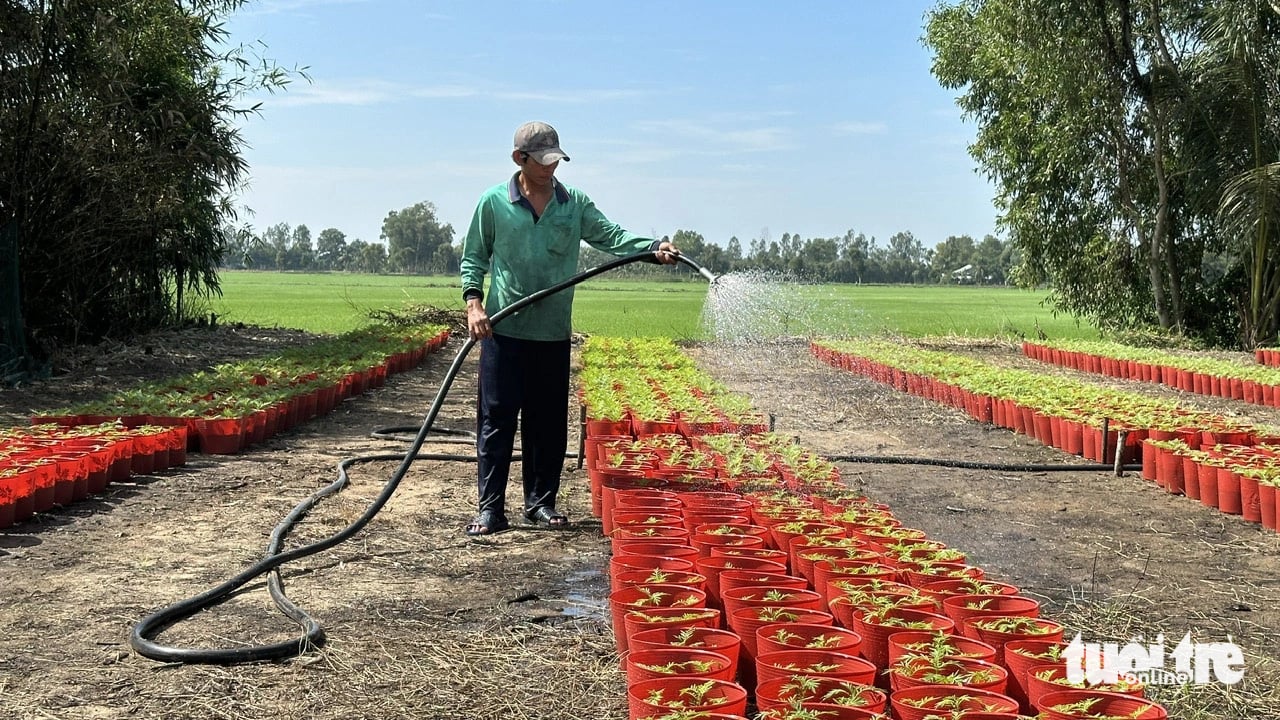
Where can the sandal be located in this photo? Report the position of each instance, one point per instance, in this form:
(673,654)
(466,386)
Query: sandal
(488,522)
(547,517)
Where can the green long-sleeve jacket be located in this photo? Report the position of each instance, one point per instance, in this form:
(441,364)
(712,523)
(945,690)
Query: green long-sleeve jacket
(522,256)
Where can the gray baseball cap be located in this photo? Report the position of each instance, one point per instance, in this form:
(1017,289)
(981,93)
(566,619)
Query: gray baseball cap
(541,142)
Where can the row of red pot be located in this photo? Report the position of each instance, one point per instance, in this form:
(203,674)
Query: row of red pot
(718,579)
(47,466)
(1237,480)
(667,606)
(1064,434)
(1248,390)
(230,435)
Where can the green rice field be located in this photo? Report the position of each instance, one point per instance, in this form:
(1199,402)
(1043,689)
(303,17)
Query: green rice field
(336,302)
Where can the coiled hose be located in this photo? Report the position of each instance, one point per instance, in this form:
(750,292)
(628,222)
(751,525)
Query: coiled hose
(142,639)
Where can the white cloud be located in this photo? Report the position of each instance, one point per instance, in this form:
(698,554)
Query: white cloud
(714,138)
(366,92)
(276,7)
(374,92)
(568,96)
(859,128)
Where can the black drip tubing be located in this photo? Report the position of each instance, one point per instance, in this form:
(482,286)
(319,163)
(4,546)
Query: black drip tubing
(972,465)
(142,638)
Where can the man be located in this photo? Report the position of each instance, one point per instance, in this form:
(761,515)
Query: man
(525,235)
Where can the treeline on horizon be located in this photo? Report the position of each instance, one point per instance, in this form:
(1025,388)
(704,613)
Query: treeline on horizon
(414,242)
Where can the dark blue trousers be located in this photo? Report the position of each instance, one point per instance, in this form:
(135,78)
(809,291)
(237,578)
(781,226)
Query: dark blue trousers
(528,380)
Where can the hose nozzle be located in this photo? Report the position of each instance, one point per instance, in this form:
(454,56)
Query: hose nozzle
(711,278)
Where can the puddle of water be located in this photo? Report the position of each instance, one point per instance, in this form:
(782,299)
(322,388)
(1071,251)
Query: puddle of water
(579,605)
(580,576)
(587,595)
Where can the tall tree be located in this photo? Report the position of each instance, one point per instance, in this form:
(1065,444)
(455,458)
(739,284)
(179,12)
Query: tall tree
(413,236)
(331,249)
(990,265)
(906,260)
(950,256)
(277,239)
(118,154)
(733,254)
(1116,132)
(301,255)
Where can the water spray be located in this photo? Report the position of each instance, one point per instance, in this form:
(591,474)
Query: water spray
(142,639)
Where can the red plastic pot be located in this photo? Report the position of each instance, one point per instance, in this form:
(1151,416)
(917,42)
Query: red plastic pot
(776,556)
(631,519)
(930,644)
(1105,704)
(693,519)
(919,702)
(780,693)
(962,607)
(1267,505)
(814,663)
(221,436)
(807,636)
(622,563)
(1022,655)
(1049,678)
(747,596)
(806,557)
(921,573)
(628,578)
(704,542)
(637,621)
(732,579)
(665,662)
(650,597)
(724,642)
(943,588)
(660,695)
(622,535)
(876,629)
(911,672)
(825,571)
(990,631)
(713,566)
(658,549)
(746,621)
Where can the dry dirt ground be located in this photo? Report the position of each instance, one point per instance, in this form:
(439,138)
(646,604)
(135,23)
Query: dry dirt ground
(425,623)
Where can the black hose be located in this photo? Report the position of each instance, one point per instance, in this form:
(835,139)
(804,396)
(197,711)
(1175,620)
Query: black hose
(972,465)
(144,632)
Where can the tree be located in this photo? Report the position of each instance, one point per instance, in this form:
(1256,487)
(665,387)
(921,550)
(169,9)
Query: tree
(951,255)
(1238,130)
(855,257)
(989,261)
(118,156)
(367,257)
(331,249)
(301,256)
(413,236)
(277,240)
(733,254)
(816,259)
(1120,134)
(905,260)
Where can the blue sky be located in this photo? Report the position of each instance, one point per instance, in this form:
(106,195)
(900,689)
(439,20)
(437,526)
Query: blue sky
(725,118)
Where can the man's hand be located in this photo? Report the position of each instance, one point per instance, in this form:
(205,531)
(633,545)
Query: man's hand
(478,320)
(667,253)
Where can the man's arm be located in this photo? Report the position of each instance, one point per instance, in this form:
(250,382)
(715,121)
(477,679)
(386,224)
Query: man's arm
(477,249)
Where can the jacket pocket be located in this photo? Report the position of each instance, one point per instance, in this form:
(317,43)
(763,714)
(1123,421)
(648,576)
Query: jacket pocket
(561,235)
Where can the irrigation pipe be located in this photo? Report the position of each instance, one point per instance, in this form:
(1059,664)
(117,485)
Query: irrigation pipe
(970,465)
(142,639)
